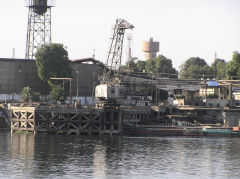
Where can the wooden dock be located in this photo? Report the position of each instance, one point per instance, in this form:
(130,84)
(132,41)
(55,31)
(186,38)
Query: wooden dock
(70,120)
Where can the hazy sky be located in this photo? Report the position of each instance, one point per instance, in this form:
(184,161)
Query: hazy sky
(184,28)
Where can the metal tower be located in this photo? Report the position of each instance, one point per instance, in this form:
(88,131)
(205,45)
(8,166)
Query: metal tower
(129,53)
(39,25)
(115,51)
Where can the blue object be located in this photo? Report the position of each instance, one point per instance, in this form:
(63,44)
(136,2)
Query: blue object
(212,83)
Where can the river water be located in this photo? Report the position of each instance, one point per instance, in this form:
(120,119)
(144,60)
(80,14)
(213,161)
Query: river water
(75,156)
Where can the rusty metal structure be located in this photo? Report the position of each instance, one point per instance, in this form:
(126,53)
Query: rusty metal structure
(39,25)
(115,51)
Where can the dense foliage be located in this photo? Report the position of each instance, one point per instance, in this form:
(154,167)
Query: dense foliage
(233,66)
(195,68)
(160,64)
(27,95)
(57,93)
(212,96)
(219,68)
(52,61)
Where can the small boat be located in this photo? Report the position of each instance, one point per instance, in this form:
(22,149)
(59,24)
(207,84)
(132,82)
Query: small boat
(215,131)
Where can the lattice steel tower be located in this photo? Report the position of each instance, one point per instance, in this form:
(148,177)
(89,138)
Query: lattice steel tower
(39,25)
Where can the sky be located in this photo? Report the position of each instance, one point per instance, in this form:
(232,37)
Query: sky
(184,28)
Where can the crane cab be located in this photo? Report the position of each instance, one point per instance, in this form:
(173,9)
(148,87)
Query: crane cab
(106,91)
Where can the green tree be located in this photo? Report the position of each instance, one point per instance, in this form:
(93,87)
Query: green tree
(150,66)
(219,68)
(52,61)
(27,94)
(134,66)
(131,65)
(163,95)
(57,93)
(195,68)
(161,64)
(141,66)
(233,66)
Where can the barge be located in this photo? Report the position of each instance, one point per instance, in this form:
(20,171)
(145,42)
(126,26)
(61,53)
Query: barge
(145,130)
(148,130)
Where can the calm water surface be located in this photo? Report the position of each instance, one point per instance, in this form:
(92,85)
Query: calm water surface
(74,156)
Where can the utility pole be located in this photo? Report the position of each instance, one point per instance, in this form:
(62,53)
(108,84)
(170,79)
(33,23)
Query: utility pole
(77,73)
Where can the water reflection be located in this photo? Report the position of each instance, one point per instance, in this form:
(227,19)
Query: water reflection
(19,154)
(64,156)
(22,146)
(99,161)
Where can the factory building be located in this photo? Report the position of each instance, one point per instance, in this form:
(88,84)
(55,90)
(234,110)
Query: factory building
(150,48)
(16,74)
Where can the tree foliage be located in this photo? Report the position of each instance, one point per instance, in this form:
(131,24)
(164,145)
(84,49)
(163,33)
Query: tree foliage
(134,66)
(52,61)
(27,94)
(219,68)
(233,66)
(57,93)
(163,95)
(161,64)
(212,96)
(195,68)
(141,65)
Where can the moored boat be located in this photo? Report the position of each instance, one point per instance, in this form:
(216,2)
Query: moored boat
(215,131)
(193,131)
(153,131)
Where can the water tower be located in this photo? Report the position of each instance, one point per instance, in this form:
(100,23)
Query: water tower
(150,48)
(39,25)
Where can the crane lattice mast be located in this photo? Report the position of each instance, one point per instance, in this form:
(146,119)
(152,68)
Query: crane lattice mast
(111,72)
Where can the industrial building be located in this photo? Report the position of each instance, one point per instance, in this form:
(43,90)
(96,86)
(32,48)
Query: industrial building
(16,74)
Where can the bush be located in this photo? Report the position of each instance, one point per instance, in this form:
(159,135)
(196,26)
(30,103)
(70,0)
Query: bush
(57,93)
(27,95)
(212,96)
(179,96)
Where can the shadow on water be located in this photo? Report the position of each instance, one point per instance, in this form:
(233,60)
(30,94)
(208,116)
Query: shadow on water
(74,156)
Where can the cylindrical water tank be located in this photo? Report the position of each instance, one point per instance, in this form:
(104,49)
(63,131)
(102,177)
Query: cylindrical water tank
(150,46)
(39,6)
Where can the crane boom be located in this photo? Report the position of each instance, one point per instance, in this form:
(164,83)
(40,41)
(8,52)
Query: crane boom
(111,72)
(110,89)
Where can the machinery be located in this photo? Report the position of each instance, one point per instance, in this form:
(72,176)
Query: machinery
(110,88)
